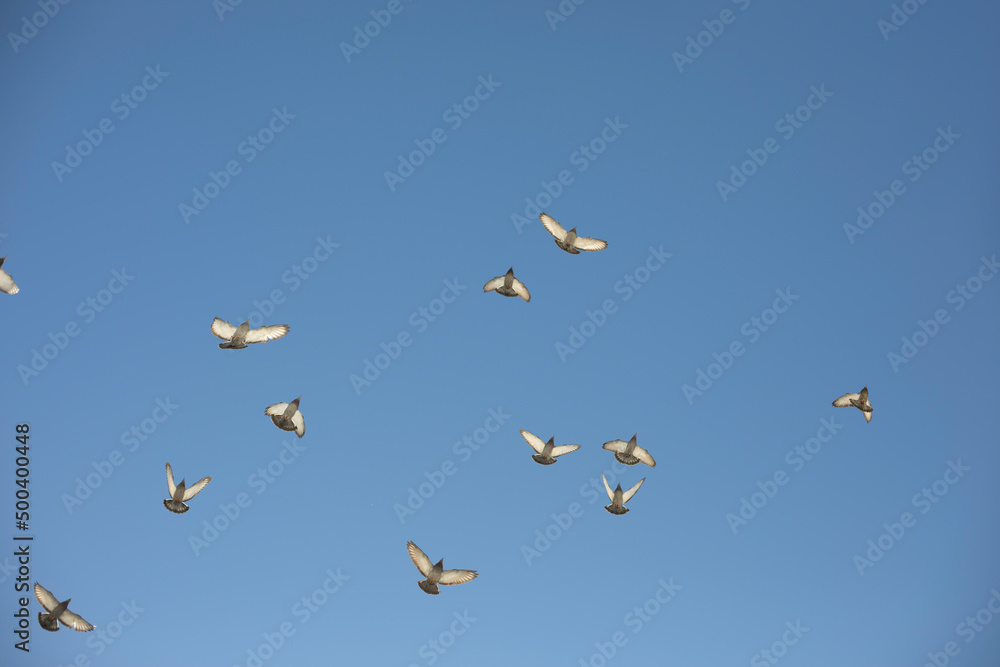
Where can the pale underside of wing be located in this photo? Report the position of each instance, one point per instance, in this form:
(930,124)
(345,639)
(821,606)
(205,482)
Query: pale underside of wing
(643,456)
(589,244)
(845,400)
(533,440)
(493,284)
(552,226)
(563,449)
(631,492)
(193,490)
(419,559)
(607,487)
(7,283)
(75,621)
(171,487)
(265,334)
(300,423)
(223,329)
(867,414)
(452,577)
(615,446)
(46,599)
(276,410)
(520,289)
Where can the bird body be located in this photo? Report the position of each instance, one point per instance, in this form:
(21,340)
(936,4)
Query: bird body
(179,493)
(239,337)
(859,401)
(508,285)
(629,453)
(546,451)
(58,612)
(436,574)
(570,241)
(287,417)
(619,497)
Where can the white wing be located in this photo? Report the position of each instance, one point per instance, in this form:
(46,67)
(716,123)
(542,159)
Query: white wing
(193,490)
(631,492)
(7,283)
(520,290)
(552,226)
(300,424)
(452,577)
(276,410)
(564,449)
(845,400)
(615,446)
(223,329)
(265,334)
(46,599)
(493,284)
(643,456)
(419,559)
(589,244)
(171,487)
(533,440)
(611,494)
(867,414)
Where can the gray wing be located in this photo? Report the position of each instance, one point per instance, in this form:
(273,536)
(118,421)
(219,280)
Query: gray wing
(453,577)
(552,226)
(75,621)
(631,492)
(223,329)
(419,559)
(533,440)
(171,487)
(193,490)
(268,333)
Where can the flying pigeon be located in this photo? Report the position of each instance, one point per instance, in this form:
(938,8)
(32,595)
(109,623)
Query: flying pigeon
(436,574)
(629,453)
(508,285)
(547,451)
(618,497)
(860,401)
(179,494)
(7,283)
(58,613)
(238,338)
(287,417)
(569,241)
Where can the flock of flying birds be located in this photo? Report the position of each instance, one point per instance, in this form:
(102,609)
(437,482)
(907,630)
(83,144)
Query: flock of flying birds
(287,417)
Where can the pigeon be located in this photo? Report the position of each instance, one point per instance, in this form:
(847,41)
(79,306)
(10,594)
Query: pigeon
(238,338)
(618,497)
(58,613)
(860,401)
(7,284)
(508,285)
(436,574)
(547,451)
(287,417)
(629,453)
(179,494)
(569,241)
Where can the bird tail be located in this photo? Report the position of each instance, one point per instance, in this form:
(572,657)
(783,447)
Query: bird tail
(616,510)
(225,346)
(544,460)
(428,587)
(626,459)
(175,506)
(47,622)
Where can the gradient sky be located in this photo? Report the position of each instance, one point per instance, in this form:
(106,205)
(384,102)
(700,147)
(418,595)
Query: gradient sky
(120,282)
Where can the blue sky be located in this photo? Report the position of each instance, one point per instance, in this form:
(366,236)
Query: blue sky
(244,175)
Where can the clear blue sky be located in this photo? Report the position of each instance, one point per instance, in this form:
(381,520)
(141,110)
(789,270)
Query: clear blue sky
(290,140)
